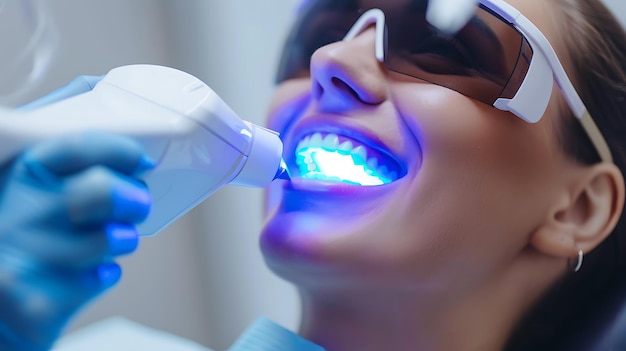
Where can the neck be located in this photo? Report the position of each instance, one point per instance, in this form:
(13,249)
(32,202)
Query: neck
(482,320)
(395,324)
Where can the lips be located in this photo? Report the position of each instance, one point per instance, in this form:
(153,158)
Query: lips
(335,157)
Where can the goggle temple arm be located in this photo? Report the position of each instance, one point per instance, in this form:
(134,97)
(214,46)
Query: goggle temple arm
(532,98)
(544,54)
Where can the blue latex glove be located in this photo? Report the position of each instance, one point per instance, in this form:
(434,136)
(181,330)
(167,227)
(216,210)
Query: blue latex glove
(79,85)
(67,208)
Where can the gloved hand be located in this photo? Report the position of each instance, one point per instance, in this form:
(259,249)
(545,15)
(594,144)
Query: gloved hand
(67,208)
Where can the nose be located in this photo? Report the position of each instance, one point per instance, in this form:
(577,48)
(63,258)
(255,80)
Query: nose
(349,74)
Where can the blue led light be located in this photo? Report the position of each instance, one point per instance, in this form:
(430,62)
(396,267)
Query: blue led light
(319,163)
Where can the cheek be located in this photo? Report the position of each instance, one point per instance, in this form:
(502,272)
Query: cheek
(288,103)
(466,224)
(471,143)
(481,188)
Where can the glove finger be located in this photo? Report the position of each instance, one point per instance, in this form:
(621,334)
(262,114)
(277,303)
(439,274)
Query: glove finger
(49,160)
(79,248)
(111,240)
(121,239)
(100,195)
(79,85)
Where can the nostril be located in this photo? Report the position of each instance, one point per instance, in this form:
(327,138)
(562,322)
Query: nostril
(337,85)
(346,88)
(341,85)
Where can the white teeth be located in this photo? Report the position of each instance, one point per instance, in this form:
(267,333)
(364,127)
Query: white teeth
(330,143)
(303,143)
(372,163)
(345,147)
(316,140)
(359,154)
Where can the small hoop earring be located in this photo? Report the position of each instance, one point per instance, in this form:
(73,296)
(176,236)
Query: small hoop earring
(575,266)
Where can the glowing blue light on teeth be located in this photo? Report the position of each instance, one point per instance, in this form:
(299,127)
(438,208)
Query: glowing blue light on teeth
(321,164)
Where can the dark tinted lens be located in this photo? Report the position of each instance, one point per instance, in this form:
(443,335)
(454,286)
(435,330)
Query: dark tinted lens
(485,60)
(479,61)
(322,22)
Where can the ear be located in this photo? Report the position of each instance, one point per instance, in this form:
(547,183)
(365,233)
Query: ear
(585,215)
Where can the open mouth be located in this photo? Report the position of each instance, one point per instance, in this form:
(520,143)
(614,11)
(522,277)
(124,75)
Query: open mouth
(334,157)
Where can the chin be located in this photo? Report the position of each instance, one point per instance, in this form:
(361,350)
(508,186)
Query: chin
(293,241)
(319,231)
(316,250)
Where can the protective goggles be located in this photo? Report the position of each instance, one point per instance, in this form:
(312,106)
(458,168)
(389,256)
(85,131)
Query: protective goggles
(499,58)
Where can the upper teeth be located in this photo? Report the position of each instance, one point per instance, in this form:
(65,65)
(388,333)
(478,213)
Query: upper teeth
(331,142)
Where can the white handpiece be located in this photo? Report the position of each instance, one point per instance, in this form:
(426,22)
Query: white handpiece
(199,142)
(450,16)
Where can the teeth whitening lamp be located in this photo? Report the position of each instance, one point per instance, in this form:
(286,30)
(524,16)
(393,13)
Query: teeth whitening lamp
(199,143)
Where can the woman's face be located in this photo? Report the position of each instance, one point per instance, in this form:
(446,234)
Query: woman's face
(476,180)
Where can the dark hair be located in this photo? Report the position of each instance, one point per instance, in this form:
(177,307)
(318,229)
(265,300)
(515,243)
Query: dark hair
(578,311)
